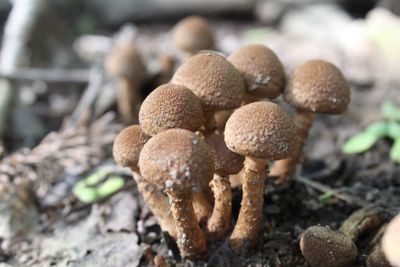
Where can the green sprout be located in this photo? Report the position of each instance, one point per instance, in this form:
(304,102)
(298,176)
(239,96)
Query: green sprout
(97,185)
(388,127)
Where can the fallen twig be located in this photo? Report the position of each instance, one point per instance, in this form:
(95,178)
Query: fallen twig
(352,200)
(47,75)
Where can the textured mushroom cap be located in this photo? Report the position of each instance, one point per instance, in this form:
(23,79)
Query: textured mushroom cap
(170,106)
(261,69)
(193,34)
(177,157)
(261,130)
(391,242)
(226,162)
(125,61)
(213,79)
(318,86)
(321,246)
(128,144)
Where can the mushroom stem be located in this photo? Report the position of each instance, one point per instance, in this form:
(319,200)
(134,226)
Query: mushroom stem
(285,168)
(191,240)
(157,203)
(248,226)
(202,206)
(210,124)
(128,100)
(219,222)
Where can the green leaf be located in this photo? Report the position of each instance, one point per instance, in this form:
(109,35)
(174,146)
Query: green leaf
(324,198)
(110,186)
(390,111)
(395,151)
(96,177)
(359,143)
(85,194)
(394,130)
(379,128)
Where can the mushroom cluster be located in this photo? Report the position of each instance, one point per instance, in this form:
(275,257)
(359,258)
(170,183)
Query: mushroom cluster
(183,152)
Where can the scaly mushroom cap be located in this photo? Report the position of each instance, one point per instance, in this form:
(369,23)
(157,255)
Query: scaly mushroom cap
(391,242)
(170,106)
(125,61)
(321,246)
(261,69)
(213,79)
(318,86)
(128,144)
(261,130)
(177,157)
(226,162)
(193,34)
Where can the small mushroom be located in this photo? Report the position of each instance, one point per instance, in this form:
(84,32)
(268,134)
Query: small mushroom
(193,34)
(260,131)
(391,242)
(215,81)
(377,258)
(170,106)
(317,86)
(261,69)
(174,106)
(180,162)
(226,163)
(126,151)
(125,65)
(321,246)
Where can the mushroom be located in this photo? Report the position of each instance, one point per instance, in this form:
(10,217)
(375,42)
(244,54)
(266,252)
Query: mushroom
(377,258)
(262,71)
(317,86)
(260,131)
(391,242)
(179,161)
(215,81)
(226,163)
(321,246)
(174,106)
(193,34)
(126,151)
(125,65)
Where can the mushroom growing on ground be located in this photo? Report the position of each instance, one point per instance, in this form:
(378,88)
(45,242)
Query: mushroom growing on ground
(179,161)
(193,34)
(215,81)
(126,151)
(321,246)
(125,65)
(262,71)
(174,106)
(391,242)
(226,163)
(260,131)
(317,86)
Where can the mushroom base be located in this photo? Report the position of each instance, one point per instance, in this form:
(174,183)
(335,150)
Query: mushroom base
(248,226)
(219,222)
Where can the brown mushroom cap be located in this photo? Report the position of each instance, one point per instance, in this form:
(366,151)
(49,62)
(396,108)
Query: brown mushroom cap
(391,242)
(213,79)
(261,130)
(128,144)
(125,61)
(261,69)
(193,34)
(177,157)
(226,162)
(170,106)
(321,246)
(318,86)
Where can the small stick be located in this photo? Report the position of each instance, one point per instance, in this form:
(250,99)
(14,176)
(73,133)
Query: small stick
(80,76)
(326,189)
